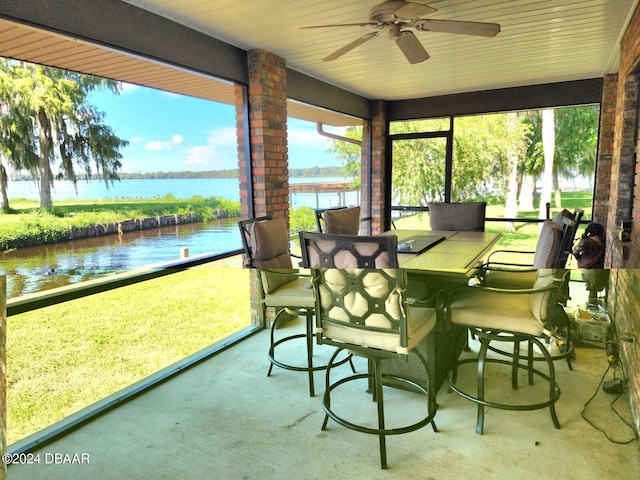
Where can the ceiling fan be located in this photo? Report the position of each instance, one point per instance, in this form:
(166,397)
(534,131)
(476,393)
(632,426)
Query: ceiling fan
(395,16)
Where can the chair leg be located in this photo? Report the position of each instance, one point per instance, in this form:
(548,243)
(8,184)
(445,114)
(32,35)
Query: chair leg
(377,380)
(552,383)
(327,388)
(309,322)
(272,341)
(482,356)
(515,363)
(530,361)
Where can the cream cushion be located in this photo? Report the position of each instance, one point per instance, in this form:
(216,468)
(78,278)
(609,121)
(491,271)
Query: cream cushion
(269,242)
(519,313)
(549,244)
(295,293)
(342,221)
(466,216)
(347,258)
(368,307)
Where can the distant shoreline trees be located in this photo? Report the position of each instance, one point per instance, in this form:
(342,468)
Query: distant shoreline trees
(310,172)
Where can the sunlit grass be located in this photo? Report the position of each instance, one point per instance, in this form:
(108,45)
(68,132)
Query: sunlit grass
(62,358)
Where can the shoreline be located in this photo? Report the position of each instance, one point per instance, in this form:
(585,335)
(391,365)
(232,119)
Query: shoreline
(114,228)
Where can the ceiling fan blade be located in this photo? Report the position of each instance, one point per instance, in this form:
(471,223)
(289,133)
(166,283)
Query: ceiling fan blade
(350,46)
(455,26)
(363,24)
(411,47)
(413,10)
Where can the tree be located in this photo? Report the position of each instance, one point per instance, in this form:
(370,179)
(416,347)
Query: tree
(576,137)
(64,129)
(548,148)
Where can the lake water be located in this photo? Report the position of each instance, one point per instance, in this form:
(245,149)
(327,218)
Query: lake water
(28,270)
(178,187)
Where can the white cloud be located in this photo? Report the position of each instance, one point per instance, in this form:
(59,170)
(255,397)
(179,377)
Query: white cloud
(158,145)
(163,144)
(137,139)
(305,138)
(128,87)
(218,154)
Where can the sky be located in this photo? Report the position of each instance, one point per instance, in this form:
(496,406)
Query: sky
(170,132)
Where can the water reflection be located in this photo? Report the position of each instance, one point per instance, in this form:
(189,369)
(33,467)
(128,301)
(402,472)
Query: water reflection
(34,269)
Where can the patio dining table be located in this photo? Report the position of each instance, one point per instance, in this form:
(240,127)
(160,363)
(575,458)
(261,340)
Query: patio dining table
(449,259)
(452,254)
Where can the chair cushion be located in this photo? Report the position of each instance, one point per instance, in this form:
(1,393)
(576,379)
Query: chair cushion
(558,219)
(474,307)
(540,301)
(548,246)
(359,253)
(269,242)
(296,294)
(420,320)
(466,216)
(343,221)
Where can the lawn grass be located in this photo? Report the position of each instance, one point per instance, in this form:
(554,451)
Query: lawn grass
(65,357)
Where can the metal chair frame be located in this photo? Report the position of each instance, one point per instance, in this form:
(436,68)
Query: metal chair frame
(308,313)
(375,376)
(326,246)
(485,336)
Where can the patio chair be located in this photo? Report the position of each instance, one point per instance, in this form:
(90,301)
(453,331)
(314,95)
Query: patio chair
(462,216)
(512,316)
(552,249)
(340,220)
(266,248)
(365,311)
(323,250)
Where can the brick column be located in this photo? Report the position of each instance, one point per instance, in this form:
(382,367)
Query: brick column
(605,150)
(268,155)
(379,133)
(268,130)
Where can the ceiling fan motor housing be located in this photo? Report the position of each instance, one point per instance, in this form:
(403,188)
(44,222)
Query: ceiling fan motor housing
(385,12)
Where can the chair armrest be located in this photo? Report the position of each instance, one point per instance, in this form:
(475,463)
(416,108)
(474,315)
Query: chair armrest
(430,301)
(490,259)
(285,272)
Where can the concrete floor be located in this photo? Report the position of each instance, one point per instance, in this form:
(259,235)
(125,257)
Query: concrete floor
(224,419)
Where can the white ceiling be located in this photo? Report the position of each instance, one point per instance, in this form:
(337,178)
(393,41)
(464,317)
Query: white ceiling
(541,41)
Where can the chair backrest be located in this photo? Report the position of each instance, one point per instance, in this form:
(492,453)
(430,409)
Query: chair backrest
(323,250)
(570,222)
(266,247)
(549,244)
(338,220)
(555,243)
(463,216)
(364,307)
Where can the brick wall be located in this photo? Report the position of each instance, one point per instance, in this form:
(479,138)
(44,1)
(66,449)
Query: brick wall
(624,195)
(268,156)
(624,307)
(379,131)
(268,126)
(605,149)
(618,197)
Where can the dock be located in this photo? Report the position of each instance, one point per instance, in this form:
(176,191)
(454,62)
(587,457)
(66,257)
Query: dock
(339,188)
